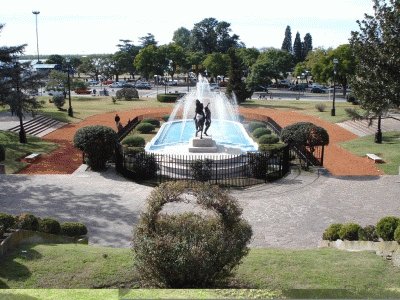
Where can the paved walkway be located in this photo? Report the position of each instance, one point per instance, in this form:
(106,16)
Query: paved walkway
(290,213)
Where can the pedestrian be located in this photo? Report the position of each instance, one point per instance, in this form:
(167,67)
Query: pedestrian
(117,120)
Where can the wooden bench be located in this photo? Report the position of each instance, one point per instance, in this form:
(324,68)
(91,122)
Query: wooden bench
(32,157)
(374,157)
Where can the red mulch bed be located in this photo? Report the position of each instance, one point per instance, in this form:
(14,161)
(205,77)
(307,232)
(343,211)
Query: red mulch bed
(338,161)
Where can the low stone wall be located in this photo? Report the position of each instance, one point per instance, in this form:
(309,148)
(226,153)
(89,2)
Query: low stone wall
(388,250)
(21,237)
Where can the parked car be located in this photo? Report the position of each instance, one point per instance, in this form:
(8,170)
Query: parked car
(127,85)
(143,85)
(115,85)
(318,90)
(107,81)
(214,87)
(93,82)
(83,91)
(297,87)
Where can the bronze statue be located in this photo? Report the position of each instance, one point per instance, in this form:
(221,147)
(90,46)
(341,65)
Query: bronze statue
(199,118)
(207,118)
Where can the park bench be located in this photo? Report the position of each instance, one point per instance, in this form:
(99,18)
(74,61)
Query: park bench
(32,157)
(374,157)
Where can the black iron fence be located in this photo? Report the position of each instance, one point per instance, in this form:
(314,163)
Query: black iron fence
(226,170)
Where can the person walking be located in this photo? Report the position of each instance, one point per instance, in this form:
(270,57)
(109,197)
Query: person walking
(117,120)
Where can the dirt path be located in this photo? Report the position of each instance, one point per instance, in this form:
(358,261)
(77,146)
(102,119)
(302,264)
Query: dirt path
(337,160)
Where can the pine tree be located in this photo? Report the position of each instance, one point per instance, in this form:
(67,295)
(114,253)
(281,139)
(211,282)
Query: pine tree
(287,41)
(307,45)
(297,49)
(235,84)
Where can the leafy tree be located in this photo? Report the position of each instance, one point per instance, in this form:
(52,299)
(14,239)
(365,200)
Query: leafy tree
(195,59)
(92,66)
(216,64)
(249,57)
(307,45)
(210,36)
(271,64)
(126,55)
(297,48)
(376,46)
(236,85)
(147,40)
(151,61)
(55,59)
(176,56)
(287,41)
(57,79)
(182,37)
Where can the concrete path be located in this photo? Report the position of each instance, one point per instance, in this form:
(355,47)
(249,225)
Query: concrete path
(290,213)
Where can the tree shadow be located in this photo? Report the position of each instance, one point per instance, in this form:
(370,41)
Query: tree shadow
(270,106)
(11,296)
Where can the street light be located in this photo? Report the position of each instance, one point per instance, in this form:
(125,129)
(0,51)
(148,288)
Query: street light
(35,12)
(70,111)
(335,63)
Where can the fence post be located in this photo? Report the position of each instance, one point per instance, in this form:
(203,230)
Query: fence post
(322,155)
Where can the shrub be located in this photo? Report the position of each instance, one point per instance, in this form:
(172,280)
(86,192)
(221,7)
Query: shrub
(201,169)
(332,232)
(142,164)
(255,125)
(268,139)
(2,231)
(133,141)
(260,131)
(368,233)
(49,225)
(258,163)
(305,134)
(168,97)
(190,250)
(165,118)
(73,229)
(320,107)
(127,94)
(59,100)
(133,150)
(7,220)
(386,227)
(98,143)
(271,148)
(145,128)
(349,231)
(2,153)
(397,234)
(27,221)
(154,122)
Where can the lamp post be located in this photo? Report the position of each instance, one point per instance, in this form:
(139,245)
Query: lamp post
(335,63)
(35,12)
(70,111)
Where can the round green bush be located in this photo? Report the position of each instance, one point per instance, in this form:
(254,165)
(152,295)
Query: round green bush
(7,220)
(260,131)
(272,148)
(133,150)
(49,225)
(165,118)
(134,141)
(397,234)
(73,229)
(305,134)
(190,250)
(349,231)
(98,144)
(255,125)
(332,232)
(127,94)
(368,233)
(386,227)
(59,100)
(2,153)
(268,139)
(145,128)
(154,122)
(168,97)
(27,221)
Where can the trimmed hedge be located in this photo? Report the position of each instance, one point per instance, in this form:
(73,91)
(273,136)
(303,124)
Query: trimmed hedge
(254,125)
(397,234)
(260,132)
(305,134)
(49,225)
(7,220)
(368,233)
(127,94)
(73,229)
(145,128)
(27,221)
(386,227)
(349,231)
(134,141)
(332,232)
(59,101)
(168,97)
(154,122)
(165,118)
(272,148)
(268,139)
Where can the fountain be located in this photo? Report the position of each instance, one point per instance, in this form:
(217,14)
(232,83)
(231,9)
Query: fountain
(226,134)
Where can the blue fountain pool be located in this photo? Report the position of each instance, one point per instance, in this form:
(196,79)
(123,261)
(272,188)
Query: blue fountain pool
(177,134)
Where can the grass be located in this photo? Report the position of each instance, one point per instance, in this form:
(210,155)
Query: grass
(85,107)
(388,150)
(15,150)
(264,273)
(306,107)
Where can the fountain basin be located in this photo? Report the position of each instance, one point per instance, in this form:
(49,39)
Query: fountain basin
(174,137)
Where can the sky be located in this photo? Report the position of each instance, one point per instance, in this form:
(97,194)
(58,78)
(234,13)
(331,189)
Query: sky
(95,27)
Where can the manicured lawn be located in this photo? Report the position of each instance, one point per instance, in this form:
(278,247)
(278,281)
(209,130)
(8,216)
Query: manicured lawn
(264,273)
(389,150)
(84,107)
(15,150)
(306,107)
